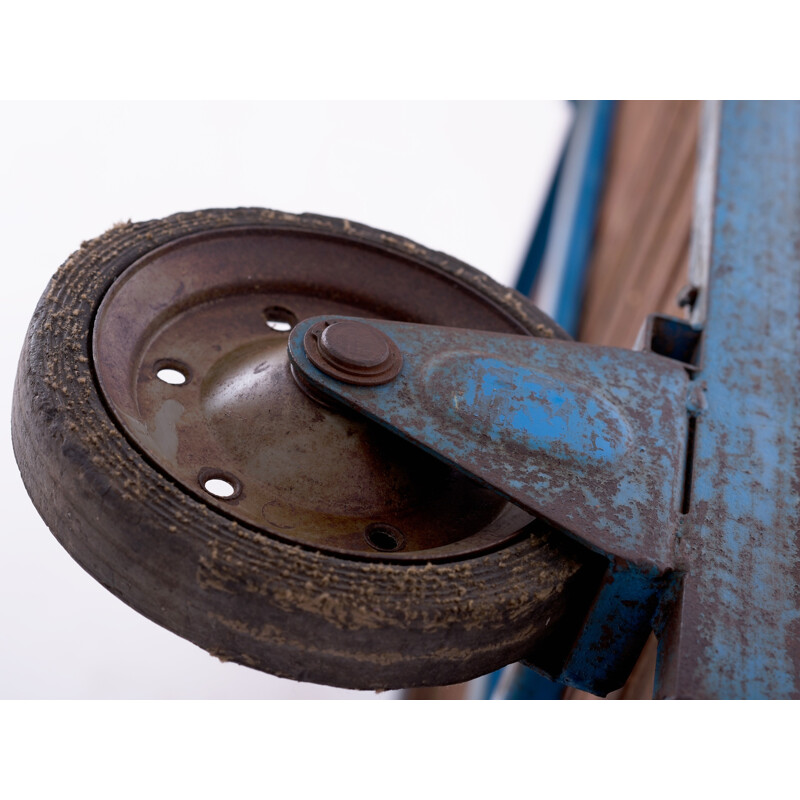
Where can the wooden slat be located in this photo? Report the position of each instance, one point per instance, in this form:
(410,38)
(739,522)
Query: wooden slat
(641,135)
(644,220)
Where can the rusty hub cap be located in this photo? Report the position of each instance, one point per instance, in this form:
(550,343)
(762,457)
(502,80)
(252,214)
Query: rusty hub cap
(190,353)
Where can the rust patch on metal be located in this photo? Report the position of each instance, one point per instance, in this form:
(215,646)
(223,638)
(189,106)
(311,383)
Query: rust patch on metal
(218,309)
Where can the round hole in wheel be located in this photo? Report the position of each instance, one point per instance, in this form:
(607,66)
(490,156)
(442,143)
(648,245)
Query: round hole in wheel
(171,376)
(279,575)
(219,487)
(172,372)
(384,538)
(219,484)
(280,319)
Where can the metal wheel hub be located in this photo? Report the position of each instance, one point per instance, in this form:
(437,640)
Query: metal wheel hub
(231,423)
(173,451)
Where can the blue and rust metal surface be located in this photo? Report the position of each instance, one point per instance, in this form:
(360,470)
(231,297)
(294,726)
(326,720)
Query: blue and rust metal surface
(734,630)
(590,439)
(682,472)
(556,261)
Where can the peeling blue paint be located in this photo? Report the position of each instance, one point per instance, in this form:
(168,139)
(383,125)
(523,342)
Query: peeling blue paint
(595,441)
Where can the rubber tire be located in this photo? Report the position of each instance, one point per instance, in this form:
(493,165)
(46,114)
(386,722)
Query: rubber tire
(239,594)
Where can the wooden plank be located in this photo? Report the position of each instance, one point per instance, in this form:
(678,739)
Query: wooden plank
(643,223)
(641,135)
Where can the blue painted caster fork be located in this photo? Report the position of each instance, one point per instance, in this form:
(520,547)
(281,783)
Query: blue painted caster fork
(675,466)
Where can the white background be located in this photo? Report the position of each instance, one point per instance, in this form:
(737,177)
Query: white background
(464,178)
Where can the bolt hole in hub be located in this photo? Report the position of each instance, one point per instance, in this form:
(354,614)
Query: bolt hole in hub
(280,319)
(219,484)
(172,372)
(384,538)
(224,395)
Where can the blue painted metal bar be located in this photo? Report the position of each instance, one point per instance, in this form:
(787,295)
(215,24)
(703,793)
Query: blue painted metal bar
(734,630)
(532,263)
(624,605)
(683,475)
(561,271)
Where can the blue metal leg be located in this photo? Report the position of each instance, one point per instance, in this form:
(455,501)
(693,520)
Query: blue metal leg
(734,630)
(560,251)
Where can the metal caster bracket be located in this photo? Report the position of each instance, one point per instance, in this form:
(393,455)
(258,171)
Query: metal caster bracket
(682,472)
(385,504)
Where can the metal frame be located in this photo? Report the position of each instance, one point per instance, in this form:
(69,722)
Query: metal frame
(733,630)
(554,270)
(677,464)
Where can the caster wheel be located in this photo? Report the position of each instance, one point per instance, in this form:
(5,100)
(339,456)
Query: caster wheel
(164,440)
